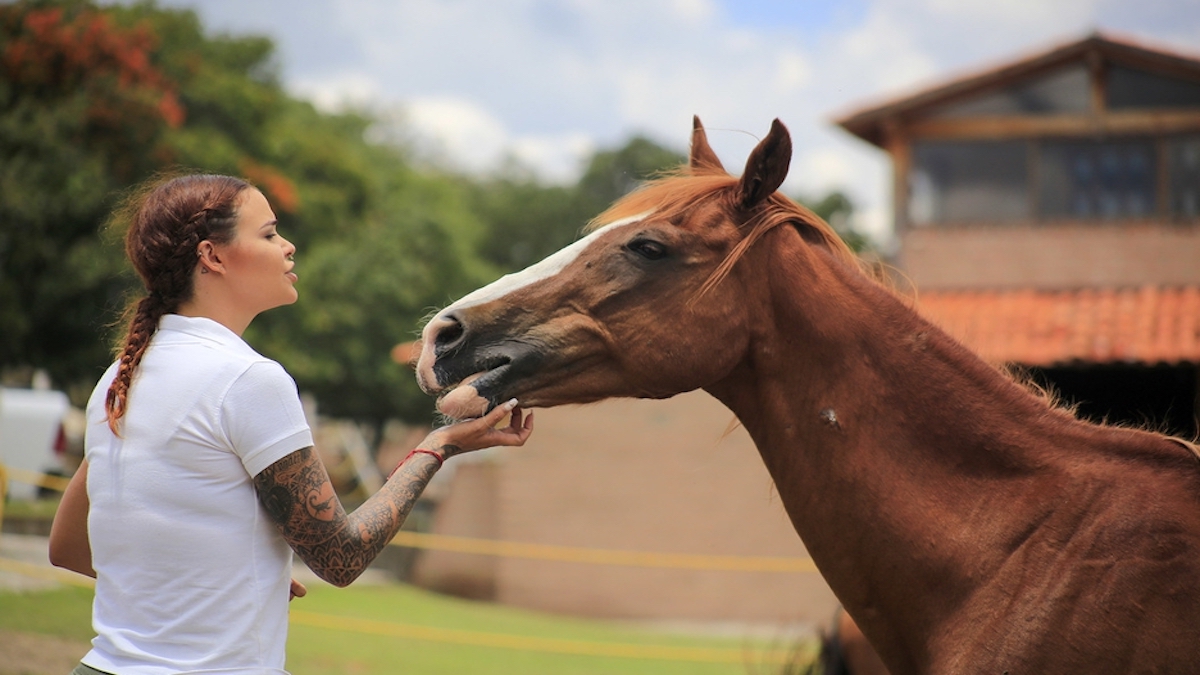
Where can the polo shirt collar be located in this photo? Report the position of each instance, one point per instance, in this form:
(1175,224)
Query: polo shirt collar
(203,328)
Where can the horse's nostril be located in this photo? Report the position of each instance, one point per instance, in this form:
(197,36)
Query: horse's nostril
(448,334)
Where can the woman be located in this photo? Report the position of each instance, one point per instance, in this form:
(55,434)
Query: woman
(200,478)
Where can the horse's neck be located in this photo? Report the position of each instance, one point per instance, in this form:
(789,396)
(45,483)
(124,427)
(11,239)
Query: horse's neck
(889,443)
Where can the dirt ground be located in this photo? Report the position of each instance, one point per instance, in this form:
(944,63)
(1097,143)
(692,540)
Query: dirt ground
(33,654)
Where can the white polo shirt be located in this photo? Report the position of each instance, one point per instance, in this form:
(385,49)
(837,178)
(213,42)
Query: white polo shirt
(192,575)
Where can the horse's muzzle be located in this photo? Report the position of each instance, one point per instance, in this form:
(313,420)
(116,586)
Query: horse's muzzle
(453,356)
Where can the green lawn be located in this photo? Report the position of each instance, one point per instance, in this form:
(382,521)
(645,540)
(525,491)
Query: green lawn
(65,613)
(401,629)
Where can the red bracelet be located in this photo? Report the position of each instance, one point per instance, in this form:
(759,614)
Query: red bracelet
(423,451)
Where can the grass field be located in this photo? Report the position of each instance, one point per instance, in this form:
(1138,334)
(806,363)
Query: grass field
(400,629)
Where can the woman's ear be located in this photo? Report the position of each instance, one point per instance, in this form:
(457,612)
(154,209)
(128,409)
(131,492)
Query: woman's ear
(210,258)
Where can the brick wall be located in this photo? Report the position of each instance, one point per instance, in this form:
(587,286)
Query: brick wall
(1063,256)
(466,508)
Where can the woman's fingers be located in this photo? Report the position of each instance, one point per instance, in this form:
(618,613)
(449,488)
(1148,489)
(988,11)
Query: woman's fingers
(519,426)
(522,428)
(514,423)
(497,414)
(484,432)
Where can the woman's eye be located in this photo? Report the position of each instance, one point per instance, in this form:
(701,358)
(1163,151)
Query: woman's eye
(648,249)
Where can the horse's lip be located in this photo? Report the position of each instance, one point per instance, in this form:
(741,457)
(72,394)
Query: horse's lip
(483,380)
(491,380)
(500,372)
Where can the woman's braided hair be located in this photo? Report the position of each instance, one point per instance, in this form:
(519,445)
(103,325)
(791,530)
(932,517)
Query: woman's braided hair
(167,219)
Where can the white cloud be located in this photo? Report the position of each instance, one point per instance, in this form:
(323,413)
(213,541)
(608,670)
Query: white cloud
(695,10)
(793,71)
(331,94)
(546,81)
(458,133)
(556,158)
(456,129)
(825,169)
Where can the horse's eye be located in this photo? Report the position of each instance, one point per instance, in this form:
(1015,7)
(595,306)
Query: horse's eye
(648,249)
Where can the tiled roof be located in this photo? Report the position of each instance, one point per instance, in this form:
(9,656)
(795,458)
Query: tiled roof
(1096,325)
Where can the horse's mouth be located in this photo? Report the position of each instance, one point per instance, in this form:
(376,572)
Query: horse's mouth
(492,380)
(474,396)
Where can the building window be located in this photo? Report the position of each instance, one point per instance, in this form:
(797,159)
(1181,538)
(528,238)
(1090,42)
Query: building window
(1129,88)
(1062,91)
(1184,165)
(1098,179)
(968,181)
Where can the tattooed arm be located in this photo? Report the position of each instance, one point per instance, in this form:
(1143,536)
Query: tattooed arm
(338,546)
(298,495)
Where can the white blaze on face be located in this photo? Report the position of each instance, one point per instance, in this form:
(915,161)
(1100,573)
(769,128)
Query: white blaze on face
(545,269)
(465,401)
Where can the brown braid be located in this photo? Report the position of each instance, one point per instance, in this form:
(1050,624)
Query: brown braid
(167,219)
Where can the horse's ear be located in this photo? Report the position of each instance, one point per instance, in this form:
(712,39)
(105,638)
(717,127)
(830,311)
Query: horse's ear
(703,159)
(767,167)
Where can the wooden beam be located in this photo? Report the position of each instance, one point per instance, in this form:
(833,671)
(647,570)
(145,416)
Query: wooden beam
(1162,197)
(1033,178)
(1148,122)
(898,146)
(1098,82)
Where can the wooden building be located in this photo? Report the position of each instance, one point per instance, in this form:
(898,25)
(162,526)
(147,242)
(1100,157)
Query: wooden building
(1048,214)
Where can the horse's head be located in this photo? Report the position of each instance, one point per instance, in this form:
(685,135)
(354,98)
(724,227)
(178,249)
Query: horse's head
(640,307)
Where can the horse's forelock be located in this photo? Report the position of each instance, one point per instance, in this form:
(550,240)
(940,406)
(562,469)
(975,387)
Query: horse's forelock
(670,193)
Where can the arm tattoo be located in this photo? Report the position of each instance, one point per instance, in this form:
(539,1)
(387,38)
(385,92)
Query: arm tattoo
(299,498)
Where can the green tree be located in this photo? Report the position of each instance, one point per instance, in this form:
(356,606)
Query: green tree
(613,174)
(836,209)
(93,100)
(379,244)
(368,290)
(528,221)
(83,111)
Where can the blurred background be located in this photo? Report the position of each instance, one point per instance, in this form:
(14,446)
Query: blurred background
(1031,167)
(417,149)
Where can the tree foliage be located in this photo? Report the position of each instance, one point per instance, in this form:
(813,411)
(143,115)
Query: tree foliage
(96,99)
(527,221)
(83,111)
(836,208)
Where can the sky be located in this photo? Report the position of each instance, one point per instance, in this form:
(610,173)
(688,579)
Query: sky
(547,82)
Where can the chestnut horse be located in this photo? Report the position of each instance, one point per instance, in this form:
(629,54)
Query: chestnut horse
(966,523)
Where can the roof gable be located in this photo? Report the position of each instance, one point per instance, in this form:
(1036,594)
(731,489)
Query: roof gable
(1055,80)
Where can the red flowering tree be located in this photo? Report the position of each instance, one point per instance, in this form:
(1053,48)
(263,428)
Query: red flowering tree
(83,111)
(96,98)
(93,100)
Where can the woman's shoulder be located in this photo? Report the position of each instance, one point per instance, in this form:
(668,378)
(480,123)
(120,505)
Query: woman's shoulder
(261,376)
(100,391)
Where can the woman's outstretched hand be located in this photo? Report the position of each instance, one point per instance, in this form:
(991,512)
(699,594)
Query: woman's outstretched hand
(482,432)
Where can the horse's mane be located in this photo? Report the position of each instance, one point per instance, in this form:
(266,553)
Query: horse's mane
(679,189)
(683,188)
